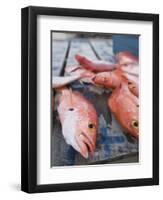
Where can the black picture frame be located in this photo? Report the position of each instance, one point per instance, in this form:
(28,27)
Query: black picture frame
(29,98)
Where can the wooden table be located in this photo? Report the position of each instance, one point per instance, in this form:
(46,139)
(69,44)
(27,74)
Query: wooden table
(113,145)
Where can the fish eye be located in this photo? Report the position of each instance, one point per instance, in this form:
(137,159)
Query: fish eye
(90,125)
(135,124)
(71,109)
(125,64)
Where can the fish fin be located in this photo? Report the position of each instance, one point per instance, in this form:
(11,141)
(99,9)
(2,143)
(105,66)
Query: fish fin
(71,98)
(81,82)
(67,92)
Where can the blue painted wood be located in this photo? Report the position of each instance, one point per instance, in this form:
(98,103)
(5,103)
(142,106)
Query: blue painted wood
(126,43)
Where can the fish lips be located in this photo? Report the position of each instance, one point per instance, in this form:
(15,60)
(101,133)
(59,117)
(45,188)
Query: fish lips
(85,144)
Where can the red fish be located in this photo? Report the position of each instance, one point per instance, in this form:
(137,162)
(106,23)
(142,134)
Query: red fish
(94,66)
(122,78)
(123,59)
(114,78)
(79,121)
(111,75)
(125,107)
(126,58)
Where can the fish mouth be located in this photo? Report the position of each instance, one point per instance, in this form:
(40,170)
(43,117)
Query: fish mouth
(75,69)
(94,78)
(85,144)
(96,81)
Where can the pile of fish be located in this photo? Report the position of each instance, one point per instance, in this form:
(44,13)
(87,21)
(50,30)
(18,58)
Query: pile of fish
(77,114)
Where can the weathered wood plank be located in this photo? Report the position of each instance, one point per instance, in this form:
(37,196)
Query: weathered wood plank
(102,49)
(79,46)
(59,50)
(126,43)
(110,42)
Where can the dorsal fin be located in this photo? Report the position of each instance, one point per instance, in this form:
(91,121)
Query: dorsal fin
(67,93)
(71,98)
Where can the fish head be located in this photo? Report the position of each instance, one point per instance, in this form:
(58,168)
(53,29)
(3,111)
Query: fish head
(101,79)
(106,80)
(85,75)
(126,58)
(130,105)
(80,132)
(72,69)
(131,121)
(125,107)
(86,137)
(86,131)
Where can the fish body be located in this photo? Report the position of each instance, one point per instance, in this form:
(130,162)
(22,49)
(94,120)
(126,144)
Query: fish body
(123,59)
(79,121)
(108,80)
(60,81)
(94,66)
(125,107)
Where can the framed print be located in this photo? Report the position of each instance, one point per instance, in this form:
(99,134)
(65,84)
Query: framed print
(90,99)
